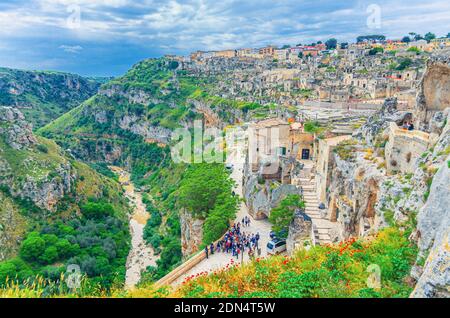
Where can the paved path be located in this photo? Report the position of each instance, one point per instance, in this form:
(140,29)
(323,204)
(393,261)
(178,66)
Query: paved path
(220,260)
(141,254)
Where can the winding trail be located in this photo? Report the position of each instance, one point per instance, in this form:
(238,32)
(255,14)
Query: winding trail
(141,254)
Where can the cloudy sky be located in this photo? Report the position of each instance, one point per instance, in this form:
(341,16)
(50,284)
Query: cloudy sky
(105,37)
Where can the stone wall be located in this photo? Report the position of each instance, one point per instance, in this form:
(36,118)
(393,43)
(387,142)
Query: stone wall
(403,148)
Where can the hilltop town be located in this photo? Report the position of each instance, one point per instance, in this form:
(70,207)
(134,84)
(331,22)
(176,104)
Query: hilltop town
(347,74)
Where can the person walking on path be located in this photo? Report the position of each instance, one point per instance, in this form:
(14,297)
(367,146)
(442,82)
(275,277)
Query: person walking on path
(211,247)
(206,252)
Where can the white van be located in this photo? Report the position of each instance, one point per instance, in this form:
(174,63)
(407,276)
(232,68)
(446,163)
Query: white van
(276,247)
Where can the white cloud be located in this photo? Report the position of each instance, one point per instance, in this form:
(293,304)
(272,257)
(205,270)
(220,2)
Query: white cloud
(71,48)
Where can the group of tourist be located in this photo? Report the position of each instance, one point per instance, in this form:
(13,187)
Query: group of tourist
(237,242)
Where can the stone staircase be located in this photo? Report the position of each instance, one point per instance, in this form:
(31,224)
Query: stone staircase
(321,226)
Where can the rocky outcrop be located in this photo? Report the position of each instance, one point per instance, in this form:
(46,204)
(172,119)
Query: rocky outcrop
(191,233)
(18,132)
(434,91)
(300,231)
(262,198)
(354,192)
(132,95)
(12,227)
(433,226)
(46,192)
(136,125)
(42,181)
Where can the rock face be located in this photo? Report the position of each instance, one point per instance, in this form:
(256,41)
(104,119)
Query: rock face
(191,233)
(46,193)
(12,228)
(434,91)
(18,132)
(262,198)
(300,231)
(43,181)
(354,192)
(144,129)
(434,236)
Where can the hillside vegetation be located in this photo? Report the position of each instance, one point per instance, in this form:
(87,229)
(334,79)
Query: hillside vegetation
(56,211)
(43,96)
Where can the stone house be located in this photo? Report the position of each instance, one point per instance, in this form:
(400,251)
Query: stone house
(302,142)
(268,139)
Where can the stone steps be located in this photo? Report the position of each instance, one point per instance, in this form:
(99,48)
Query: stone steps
(321,225)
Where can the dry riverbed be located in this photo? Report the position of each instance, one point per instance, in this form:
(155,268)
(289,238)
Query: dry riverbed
(141,255)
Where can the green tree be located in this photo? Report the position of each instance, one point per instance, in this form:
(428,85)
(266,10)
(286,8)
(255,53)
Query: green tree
(282,215)
(429,36)
(50,255)
(32,248)
(66,249)
(376,50)
(406,39)
(404,64)
(414,49)
(201,186)
(331,44)
(97,210)
(14,268)
(218,220)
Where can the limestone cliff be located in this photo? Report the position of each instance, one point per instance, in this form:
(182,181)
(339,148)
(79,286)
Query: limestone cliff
(434,91)
(434,238)
(27,168)
(191,233)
